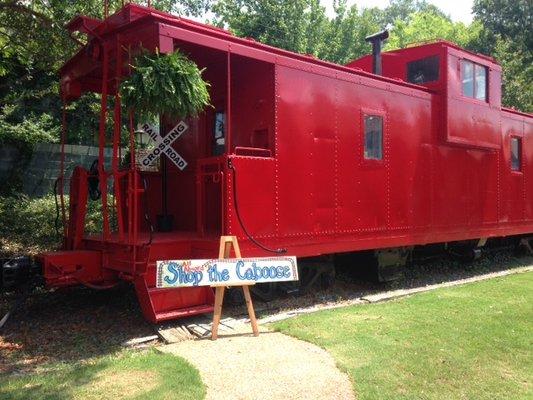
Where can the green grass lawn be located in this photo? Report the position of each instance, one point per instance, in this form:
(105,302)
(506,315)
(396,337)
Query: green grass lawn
(468,342)
(126,375)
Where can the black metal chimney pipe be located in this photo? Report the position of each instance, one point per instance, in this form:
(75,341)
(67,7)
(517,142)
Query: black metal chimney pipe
(377,40)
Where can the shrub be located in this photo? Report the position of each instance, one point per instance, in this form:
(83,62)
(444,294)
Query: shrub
(23,134)
(32,129)
(27,226)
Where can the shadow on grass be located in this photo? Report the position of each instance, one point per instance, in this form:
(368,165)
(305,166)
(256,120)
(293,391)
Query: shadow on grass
(129,374)
(35,387)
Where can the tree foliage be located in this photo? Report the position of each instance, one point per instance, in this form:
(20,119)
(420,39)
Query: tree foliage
(507,19)
(426,26)
(506,35)
(35,30)
(32,129)
(34,43)
(345,36)
(292,25)
(402,10)
(301,26)
(517,67)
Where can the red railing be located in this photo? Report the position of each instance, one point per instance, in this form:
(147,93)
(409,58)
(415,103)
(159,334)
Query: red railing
(209,170)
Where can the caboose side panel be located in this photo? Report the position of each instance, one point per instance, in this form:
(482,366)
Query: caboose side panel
(423,189)
(515,180)
(320,130)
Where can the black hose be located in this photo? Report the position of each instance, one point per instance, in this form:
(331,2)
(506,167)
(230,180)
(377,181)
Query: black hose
(94,182)
(146,217)
(234,185)
(56,222)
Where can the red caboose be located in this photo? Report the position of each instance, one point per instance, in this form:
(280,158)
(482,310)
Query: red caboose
(297,155)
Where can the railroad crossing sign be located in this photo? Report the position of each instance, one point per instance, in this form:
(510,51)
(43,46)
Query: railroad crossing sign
(163,145)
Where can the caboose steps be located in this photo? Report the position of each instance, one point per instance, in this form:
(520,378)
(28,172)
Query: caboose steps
(160,305)
(66,268)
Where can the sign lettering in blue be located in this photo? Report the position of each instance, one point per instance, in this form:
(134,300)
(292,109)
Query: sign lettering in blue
(228,271)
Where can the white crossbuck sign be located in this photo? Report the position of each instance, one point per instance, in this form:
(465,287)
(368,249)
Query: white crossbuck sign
(163,145)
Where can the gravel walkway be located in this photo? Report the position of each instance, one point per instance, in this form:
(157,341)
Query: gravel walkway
(271,366)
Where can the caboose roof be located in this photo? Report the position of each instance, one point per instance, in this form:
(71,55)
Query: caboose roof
(417,51)
(445,43)
(133,20)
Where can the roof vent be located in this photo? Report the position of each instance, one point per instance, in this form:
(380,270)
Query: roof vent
(377,40)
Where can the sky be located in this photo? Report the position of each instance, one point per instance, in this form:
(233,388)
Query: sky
(458,10)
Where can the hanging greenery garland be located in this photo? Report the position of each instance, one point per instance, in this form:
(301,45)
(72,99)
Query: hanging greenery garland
(165,84)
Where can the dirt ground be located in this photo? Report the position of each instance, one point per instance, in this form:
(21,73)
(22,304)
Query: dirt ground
(79,323)
(69,324)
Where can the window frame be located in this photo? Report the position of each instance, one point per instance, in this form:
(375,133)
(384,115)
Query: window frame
(475,67)
(520,154)
(373,162)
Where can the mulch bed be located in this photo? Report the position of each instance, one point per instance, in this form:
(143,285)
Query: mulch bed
(69,324)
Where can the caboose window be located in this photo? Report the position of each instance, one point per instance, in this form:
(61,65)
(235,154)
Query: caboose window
(481,82)
(474,78)
(468,78)
(373,137)
(516,154)
(219,143)
(424,70)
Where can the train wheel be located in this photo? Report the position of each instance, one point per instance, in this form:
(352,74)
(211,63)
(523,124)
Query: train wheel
(327,279)
(524,246)
(264,291)
(235,296)
(466,252)
(316,273)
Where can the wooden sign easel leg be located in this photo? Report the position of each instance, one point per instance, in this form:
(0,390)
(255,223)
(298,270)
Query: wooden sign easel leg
(251,311)
(226,242)
(217,314)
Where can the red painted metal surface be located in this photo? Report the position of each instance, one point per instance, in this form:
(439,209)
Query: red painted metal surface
(77,208)
(294,131)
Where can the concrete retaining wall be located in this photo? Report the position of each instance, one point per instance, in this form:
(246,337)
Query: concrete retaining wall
(9,156)
(44,167)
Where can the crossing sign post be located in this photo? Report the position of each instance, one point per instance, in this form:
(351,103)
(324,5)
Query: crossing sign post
(163,145)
